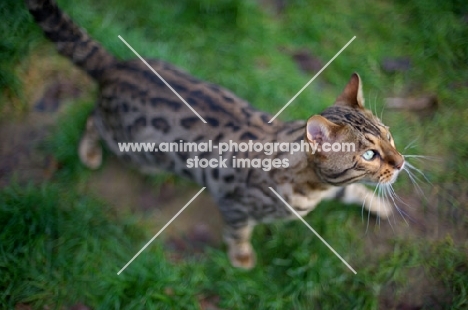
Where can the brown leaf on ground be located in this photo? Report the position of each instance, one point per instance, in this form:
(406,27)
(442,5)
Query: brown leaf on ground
(51,166)
(396,64)
(169,291)
(192,243)
(79,306)
(201,235)
(413,104)
(275,6)
(307,62)
(425,106)
(458,85)
(209,302)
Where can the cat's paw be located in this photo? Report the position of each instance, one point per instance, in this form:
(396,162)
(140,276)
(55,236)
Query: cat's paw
(242,256)
(90,153)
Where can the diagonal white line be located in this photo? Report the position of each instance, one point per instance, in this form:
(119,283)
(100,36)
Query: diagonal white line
(167,84)
(162,229)
(318,236)
(311,80)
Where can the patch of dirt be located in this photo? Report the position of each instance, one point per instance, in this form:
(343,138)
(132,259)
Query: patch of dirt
(126,189)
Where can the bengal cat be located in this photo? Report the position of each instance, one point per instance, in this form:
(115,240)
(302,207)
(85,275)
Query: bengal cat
(134,105)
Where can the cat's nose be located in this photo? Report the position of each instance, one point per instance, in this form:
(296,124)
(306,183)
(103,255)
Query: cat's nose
(396,162)
(399,165)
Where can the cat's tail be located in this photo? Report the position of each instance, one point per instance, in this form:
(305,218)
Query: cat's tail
(70,40)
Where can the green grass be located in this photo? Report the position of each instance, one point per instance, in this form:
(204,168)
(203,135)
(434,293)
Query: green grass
(68,248)
(60,245)
(13,47)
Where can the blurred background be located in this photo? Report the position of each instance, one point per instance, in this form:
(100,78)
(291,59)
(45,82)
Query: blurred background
(66,231)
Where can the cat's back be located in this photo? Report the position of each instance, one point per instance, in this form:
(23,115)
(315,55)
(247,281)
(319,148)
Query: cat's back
(134,99)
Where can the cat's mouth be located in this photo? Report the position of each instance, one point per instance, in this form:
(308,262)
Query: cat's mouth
(390,179)
(397,172)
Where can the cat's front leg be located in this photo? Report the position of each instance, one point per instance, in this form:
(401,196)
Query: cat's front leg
(237,233)
(240,251)
(361,195)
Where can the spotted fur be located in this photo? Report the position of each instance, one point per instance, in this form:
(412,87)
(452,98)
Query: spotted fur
(134,105)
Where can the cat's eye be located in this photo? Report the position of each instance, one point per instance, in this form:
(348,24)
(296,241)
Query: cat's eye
(369,155)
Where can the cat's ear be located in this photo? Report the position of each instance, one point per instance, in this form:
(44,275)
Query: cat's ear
(352,94)
(320,130)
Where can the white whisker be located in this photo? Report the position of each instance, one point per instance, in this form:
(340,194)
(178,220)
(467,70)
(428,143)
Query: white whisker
(379,194)
(421,156)
(413,179)
(398,197)
(411,144)
(381,111)
(385,194)
(362,207)
(370,207)
(419,171)
(394,203)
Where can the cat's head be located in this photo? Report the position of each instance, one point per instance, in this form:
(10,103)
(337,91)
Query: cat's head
(355,146)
